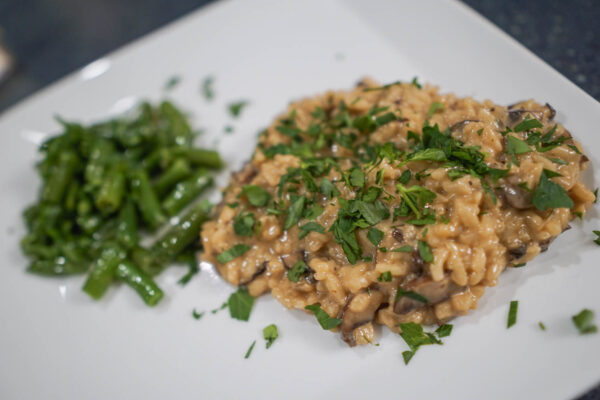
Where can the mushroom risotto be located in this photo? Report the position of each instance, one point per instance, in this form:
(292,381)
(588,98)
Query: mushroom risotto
(395,204)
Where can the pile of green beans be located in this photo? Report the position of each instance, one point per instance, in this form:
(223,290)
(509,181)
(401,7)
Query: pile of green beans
(105,186)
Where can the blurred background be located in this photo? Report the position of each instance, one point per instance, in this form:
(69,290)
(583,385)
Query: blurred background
(43,40)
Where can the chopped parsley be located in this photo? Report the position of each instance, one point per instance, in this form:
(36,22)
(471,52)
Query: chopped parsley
(250,349)
(270,333)
(403,249)
(385,277)
(310,227)
(297,270)
(542,326)
(584,322)
(196,314)
(425,251)
(240,304)
(597,240)
(235,109)
(444,330)
(411,295)
(527,125)
(415,83)
(323,318)
(433,108)
(234,252)
(375,236)
(256,195)
(512,313)
(216,310)
(207,88)
(415,337)
(243,224)
(172,82)
(294,213)
(550,194)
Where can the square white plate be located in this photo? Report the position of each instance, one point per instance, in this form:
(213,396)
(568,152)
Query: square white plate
(55,343)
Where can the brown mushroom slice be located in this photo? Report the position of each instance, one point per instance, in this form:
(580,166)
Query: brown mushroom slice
(433,291)
(353,319)
(518,114)
(516,196)
(462,124)
(259,271)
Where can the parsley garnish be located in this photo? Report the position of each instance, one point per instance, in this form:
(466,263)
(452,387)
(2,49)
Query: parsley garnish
(584,322)
(207,89)
(310,227)
(444,330)
(527,125)
(232,253)
(385,277)
(415,337)
(375,236)
(256,195)
(270,333)
(411,295)
(250,349)
(425,251)
(542,326)
(433,108)
(403,249)
(196,314)
(240,304)
(243,224)
(294,213)
(416,83)
(235,109)
(550,194)
(297,270)
(216,310)
(172,82)
(329,189)
(512,313)
(515,147)
(597,240)
(324,319)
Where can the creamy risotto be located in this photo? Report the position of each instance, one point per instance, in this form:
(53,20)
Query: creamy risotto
(394,204)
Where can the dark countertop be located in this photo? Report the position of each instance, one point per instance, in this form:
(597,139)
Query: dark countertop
(49,39)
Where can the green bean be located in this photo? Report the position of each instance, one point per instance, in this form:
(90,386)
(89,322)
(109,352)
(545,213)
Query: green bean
(100,153)
(71,196)
(111,190)
(146,199)
(183,234)
(180,130)
(61,176)
(127,226)
(180,169)
(159,158)
(147,261)
(185,192)
(141,282)
(57,267)
(200,157)
(102,272)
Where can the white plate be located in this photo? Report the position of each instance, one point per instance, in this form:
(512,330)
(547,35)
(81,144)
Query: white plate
(55,343)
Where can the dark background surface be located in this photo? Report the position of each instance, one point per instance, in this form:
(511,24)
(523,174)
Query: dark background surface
(50,38)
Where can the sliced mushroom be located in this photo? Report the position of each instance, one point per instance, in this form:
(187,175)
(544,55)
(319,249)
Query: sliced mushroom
(433,291)
(516,115)
(398,235)
(516,196)
(259,271)
(461,124)
(353,319)
(517,252)
(552,112)
(416,262)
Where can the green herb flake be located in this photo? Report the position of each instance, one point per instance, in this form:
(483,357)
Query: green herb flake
(294,212)
(172,82)
(550,194)
(402,249)
(574,148)
(243,224)
(405,177)
(385,277)
(415,83)
(584,322)
(240,304)
(411,295)
(196,314)
(425,251)
(515,146)
(235,109)
(232,253)
(557,161)
(512,313)
(250,350)
(310,227)
(357,178)
(228,129)
(433,108)
(216,310)
(597,240)
(527,125)
(207,88)
(415,337)
(270,333)
(444,330)
(375,236)
(542,326)
(479,131)
(297,270)
(323,318)
(256,195)
(595,195)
